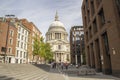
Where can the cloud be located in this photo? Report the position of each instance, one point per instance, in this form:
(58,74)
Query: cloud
(42,12)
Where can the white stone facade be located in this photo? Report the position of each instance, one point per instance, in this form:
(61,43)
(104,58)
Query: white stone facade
(21,46)
(57,37)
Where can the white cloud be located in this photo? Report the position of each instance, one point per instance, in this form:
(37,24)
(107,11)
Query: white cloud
(42,12)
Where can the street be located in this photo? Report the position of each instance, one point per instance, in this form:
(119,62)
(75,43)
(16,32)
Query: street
(44,72)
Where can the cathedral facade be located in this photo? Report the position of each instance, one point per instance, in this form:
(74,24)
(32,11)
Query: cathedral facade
(57,37)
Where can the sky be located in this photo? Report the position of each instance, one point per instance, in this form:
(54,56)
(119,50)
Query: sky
(42,12)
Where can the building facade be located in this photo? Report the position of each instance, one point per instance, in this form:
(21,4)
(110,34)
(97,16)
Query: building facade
(57,37)
(33,31)
(76,44)
(101,20)
(22,43)
(16,40)
(8,34)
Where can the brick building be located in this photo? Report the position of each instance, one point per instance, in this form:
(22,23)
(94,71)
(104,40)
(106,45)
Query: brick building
(101,20)
(16,36)
(33,30)
(76,44)
(8,34)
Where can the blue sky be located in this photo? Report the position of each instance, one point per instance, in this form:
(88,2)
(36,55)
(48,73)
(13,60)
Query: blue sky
(42,12)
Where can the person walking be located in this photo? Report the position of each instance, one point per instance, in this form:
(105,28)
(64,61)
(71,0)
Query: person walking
(62,65)
(66,65)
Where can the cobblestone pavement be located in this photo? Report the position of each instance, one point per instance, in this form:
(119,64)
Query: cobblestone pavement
(71,74)
(22,72)
(44,72)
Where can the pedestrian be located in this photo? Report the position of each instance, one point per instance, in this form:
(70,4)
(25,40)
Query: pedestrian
(62,65)
(66,65)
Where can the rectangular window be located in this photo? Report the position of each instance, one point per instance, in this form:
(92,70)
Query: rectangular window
(90,32)
(21,54)
(23,31)
(88,12)
(94,26)
(92,7)
(11,41)
(21,44)
(11,32)
(24,54)
(22,37)
(19,28)
(118,6)
(106,44)
(17,53)
(98,2)
(24,46)
(102,17)
(87,36)
(59,46)
(10,50)
(87,3)
(26,32)
(18,43)
(18,35)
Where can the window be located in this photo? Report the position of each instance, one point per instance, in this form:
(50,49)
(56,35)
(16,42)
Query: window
(88,15)
(90,32)
(11,32)
(26,32)
(23,31)
(59,46)
(24,54)
(118,6)
(94,26)
(102,17)
(92,7)
(21,44)
(17,53)
(86,36)
(11,41)
(85,22)
(106,44)
(98,2)
(19,28)
(10,50)
(25,39)
(18,43)
(20,53)
(87,3)
(24,46)
(18,35)
(22,37)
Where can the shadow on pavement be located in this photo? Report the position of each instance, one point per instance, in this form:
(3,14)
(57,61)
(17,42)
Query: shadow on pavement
(2,77)
(74,73)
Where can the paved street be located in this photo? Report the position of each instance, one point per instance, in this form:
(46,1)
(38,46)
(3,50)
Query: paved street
(43,72)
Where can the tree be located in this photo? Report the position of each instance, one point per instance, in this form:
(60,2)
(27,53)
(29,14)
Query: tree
(42,49)
(48,52)
(36,46)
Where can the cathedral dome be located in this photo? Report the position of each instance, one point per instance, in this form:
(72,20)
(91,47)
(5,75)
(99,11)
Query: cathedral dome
(56,25)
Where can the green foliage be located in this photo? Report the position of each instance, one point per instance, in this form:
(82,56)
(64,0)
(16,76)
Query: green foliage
(42,49)
(36,46)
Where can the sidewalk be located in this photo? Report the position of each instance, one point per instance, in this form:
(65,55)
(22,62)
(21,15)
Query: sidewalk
(71,74)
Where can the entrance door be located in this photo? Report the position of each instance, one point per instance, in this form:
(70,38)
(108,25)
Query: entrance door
(9,59)
(106,54)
